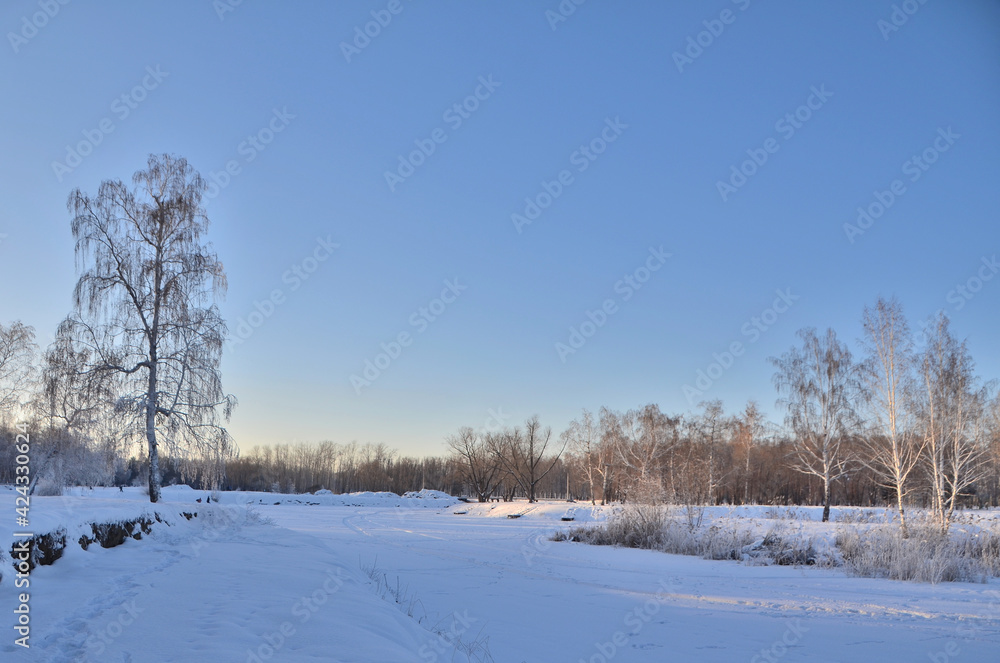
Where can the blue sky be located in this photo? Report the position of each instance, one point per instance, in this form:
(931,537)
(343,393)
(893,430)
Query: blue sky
(605,100)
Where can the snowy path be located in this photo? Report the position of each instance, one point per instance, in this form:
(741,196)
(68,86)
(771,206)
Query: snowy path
(545,602)
(209,592)
(222,588)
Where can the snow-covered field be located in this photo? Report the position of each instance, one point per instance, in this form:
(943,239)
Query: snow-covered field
(229,586)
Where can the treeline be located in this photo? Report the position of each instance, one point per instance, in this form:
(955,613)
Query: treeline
(341,468)
(762,476)
(907,423)
(707,457)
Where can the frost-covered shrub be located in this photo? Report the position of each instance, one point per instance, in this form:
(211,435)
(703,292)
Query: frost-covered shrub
(778,547)
(254,517)
(634,526)
(963,555)
(719,541)
(859,516)
(659,528)
(784,513)
(49,488)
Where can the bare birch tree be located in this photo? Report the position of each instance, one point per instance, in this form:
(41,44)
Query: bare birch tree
(749,429)
(73,412)
(583,441)
(953,420)
(710,427)
(893,449)
(17,365)
(994,440)
(144,308)
(641,439)
(69,396)
(818,385)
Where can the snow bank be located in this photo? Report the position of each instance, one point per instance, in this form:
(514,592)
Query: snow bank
(224,585)
(74,517)
(435,499)
(427,494)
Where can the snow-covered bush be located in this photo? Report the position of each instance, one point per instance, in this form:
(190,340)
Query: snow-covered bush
(860,516)
(784,513)
(634,526)
(963,555)
(671,530)
(49,488)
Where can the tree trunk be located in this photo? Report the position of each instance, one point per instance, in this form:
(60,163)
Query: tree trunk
(711,471)
(826,499)
(154,453)
(593,499)
(154,461)
(902,515)
(746,480)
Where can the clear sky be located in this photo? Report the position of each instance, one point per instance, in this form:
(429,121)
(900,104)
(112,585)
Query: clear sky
(627,134)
